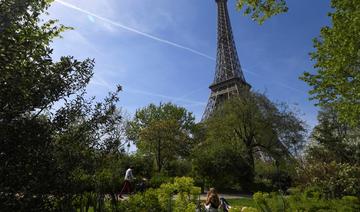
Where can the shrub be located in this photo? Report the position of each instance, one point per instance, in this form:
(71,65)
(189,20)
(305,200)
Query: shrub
(348,203)
(162,199)
(249,209)
(186,194)
(269,202)
(310,200)
(158,179)
(333,179)
(147,201)
(179,167)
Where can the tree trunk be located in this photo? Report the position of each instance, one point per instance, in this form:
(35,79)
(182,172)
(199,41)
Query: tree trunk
(113,201)
(158,159)
(251,158)
(81,203)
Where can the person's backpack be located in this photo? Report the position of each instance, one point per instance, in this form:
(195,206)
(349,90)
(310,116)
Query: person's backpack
(225,205)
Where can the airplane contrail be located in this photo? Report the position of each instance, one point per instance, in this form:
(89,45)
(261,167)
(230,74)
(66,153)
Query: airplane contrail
(156,38)
(153,37)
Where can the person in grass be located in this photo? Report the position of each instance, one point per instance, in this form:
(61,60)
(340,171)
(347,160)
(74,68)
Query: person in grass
(129,177)
(212,203)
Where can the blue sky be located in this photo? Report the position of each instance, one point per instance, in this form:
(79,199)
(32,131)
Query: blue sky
(163,50)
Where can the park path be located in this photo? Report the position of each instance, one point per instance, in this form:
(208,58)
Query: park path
(227,196)
(203,196)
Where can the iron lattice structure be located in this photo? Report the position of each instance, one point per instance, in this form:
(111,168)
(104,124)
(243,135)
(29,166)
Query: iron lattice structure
(229,79)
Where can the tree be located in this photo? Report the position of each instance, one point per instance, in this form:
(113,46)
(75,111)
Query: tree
(30,82)
(24,47)
(39,143)
(222,164)
(332,140)
(261,10)
(164,132)
(332,159)
(337,81)
(244,129)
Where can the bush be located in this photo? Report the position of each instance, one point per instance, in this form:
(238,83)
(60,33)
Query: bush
(186,194)
(269,177)
(249,209)
(178,168)
(147,201)
(333,179)
(162,199)
(269,202)
(310,200)
(158,179)
(348,203)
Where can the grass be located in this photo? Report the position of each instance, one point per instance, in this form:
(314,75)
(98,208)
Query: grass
(242,202)
(235,203)
(91,209)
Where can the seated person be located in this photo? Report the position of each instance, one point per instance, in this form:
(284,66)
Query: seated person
(212,203)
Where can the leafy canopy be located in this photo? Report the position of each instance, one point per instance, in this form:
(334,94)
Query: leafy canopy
(261,10)
(336,82)
(163,131)
(337,59)
(40,142)
(242,130)
(30,80)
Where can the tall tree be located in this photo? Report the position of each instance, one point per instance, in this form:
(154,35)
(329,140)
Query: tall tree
(250,127)
(38,141)
(30,82)
(163,131)
(336,83)
(332,159)
(30,79)
(337,60)
(332,140)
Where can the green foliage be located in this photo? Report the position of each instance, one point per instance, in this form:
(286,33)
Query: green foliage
(333,140)
(50,157)
(270,177)
(222,165)
(24,46)
(261,10)
(180,167)
(30,83)
(333,179)
(307,201)
(248,209)
(142,165)
(332,160)
(241,202)
(158,179)
(242,131)
(336,82)
(269,202)
(337,55)
(163,199)
(187,194)
(147,201)
(163,132)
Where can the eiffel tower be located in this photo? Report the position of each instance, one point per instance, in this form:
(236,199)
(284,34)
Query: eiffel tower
(229,79)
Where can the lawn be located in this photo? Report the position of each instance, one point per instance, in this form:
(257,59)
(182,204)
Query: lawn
(235,203)
(242,202)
